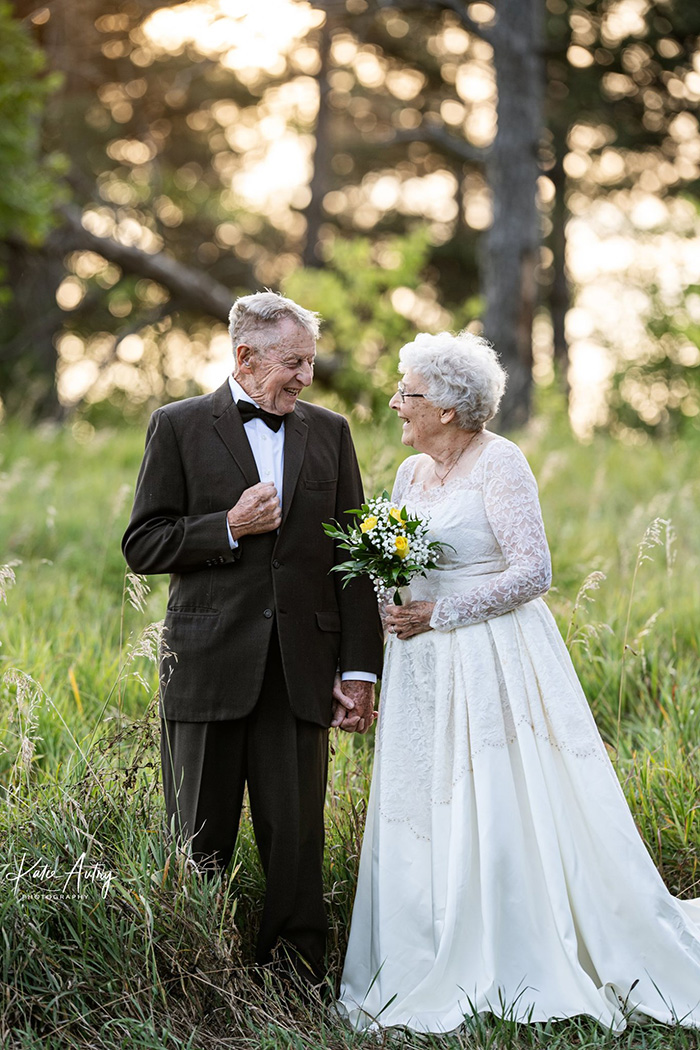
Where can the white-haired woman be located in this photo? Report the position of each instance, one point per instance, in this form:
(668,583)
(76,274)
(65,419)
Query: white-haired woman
(501,870)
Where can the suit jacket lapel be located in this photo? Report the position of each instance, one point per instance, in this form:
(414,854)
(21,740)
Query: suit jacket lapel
(229,426)
(295,434)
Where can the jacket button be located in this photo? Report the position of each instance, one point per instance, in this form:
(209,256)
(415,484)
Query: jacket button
(275,564)
(267,613)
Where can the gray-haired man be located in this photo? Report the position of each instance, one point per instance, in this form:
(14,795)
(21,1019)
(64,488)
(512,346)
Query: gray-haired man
(232,492)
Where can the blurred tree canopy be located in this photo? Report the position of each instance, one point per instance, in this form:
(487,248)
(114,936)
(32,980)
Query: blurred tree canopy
(28,189)
(423,160)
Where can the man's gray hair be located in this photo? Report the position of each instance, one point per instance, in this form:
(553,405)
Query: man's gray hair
(460,371)
(255,316)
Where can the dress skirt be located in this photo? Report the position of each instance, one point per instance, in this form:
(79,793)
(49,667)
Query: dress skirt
(501,869)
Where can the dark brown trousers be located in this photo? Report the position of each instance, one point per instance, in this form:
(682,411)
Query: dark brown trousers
(285,762)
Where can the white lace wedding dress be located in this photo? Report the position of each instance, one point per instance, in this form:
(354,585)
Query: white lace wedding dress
(501,869)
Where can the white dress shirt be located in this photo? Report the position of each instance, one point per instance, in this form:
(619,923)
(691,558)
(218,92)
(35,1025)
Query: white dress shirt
(267,446)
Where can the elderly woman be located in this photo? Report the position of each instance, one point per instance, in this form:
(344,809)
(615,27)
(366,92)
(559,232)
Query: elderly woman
(501,869)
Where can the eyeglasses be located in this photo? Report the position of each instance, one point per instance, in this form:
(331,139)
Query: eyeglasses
(403,395)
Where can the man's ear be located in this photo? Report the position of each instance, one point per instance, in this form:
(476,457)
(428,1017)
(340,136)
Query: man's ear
(243,355)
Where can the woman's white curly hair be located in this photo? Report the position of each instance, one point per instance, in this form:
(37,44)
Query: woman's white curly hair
(460,371)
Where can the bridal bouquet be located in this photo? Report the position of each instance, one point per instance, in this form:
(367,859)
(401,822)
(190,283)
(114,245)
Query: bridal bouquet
(387,544)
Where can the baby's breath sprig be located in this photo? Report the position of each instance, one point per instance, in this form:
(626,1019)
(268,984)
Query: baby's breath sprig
(387,544)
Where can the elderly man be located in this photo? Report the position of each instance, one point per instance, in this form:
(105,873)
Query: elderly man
(264,649)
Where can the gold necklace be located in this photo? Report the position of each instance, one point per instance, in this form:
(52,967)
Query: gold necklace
(444,477)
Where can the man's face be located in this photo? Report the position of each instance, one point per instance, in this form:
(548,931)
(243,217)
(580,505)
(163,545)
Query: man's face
(275,373)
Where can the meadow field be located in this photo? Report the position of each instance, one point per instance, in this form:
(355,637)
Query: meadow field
(108,939)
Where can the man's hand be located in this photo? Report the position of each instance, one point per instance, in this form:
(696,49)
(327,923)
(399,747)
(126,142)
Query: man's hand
(353,709)
(406,620)
(258,510)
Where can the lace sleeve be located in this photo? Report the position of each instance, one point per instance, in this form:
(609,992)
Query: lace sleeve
(513,511)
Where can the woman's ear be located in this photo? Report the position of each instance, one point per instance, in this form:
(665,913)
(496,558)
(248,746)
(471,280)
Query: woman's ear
(447,415)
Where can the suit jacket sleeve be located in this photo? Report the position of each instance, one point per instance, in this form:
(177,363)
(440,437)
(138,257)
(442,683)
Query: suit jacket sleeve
(162,537)
(361,638)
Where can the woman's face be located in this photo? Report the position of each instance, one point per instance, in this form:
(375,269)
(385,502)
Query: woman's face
(420,418)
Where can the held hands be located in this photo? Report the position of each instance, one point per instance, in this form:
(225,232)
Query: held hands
(353,705)
(406,620)
(258,510)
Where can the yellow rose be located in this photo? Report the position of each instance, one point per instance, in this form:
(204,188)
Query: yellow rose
(395,513)
(401,544)
(368,524)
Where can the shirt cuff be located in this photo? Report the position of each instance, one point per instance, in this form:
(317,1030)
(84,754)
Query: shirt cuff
(231,542)
(358,676)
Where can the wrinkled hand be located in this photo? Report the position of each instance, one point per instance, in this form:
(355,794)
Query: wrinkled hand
(258,510)
(406,620)
(353,705)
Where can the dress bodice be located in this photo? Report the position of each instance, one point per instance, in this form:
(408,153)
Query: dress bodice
(497,556)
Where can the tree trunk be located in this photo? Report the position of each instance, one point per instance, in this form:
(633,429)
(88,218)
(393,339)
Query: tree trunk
(28,328)
(559,296)
(511,249)
(314,213)
(32,321)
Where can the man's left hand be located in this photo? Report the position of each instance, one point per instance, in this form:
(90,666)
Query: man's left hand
(353,705)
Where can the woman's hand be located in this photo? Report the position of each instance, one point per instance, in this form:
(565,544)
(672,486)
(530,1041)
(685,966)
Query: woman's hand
(353,705)
(406,620)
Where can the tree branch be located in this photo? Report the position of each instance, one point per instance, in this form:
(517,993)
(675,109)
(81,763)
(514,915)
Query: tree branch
(437,136)
(457,7)
(191,287)
(460,9)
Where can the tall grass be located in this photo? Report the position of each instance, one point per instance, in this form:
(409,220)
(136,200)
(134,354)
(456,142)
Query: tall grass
(109,938)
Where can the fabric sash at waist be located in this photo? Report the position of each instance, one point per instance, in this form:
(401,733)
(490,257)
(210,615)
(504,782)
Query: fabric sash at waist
(441,582)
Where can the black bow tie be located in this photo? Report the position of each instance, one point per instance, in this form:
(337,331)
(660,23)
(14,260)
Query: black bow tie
(250,411)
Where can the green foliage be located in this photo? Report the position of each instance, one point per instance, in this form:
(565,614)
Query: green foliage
(361,325)
(163,959)
(660,393)
(28,188)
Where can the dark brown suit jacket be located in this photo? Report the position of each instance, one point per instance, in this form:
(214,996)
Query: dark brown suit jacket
(223,603)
